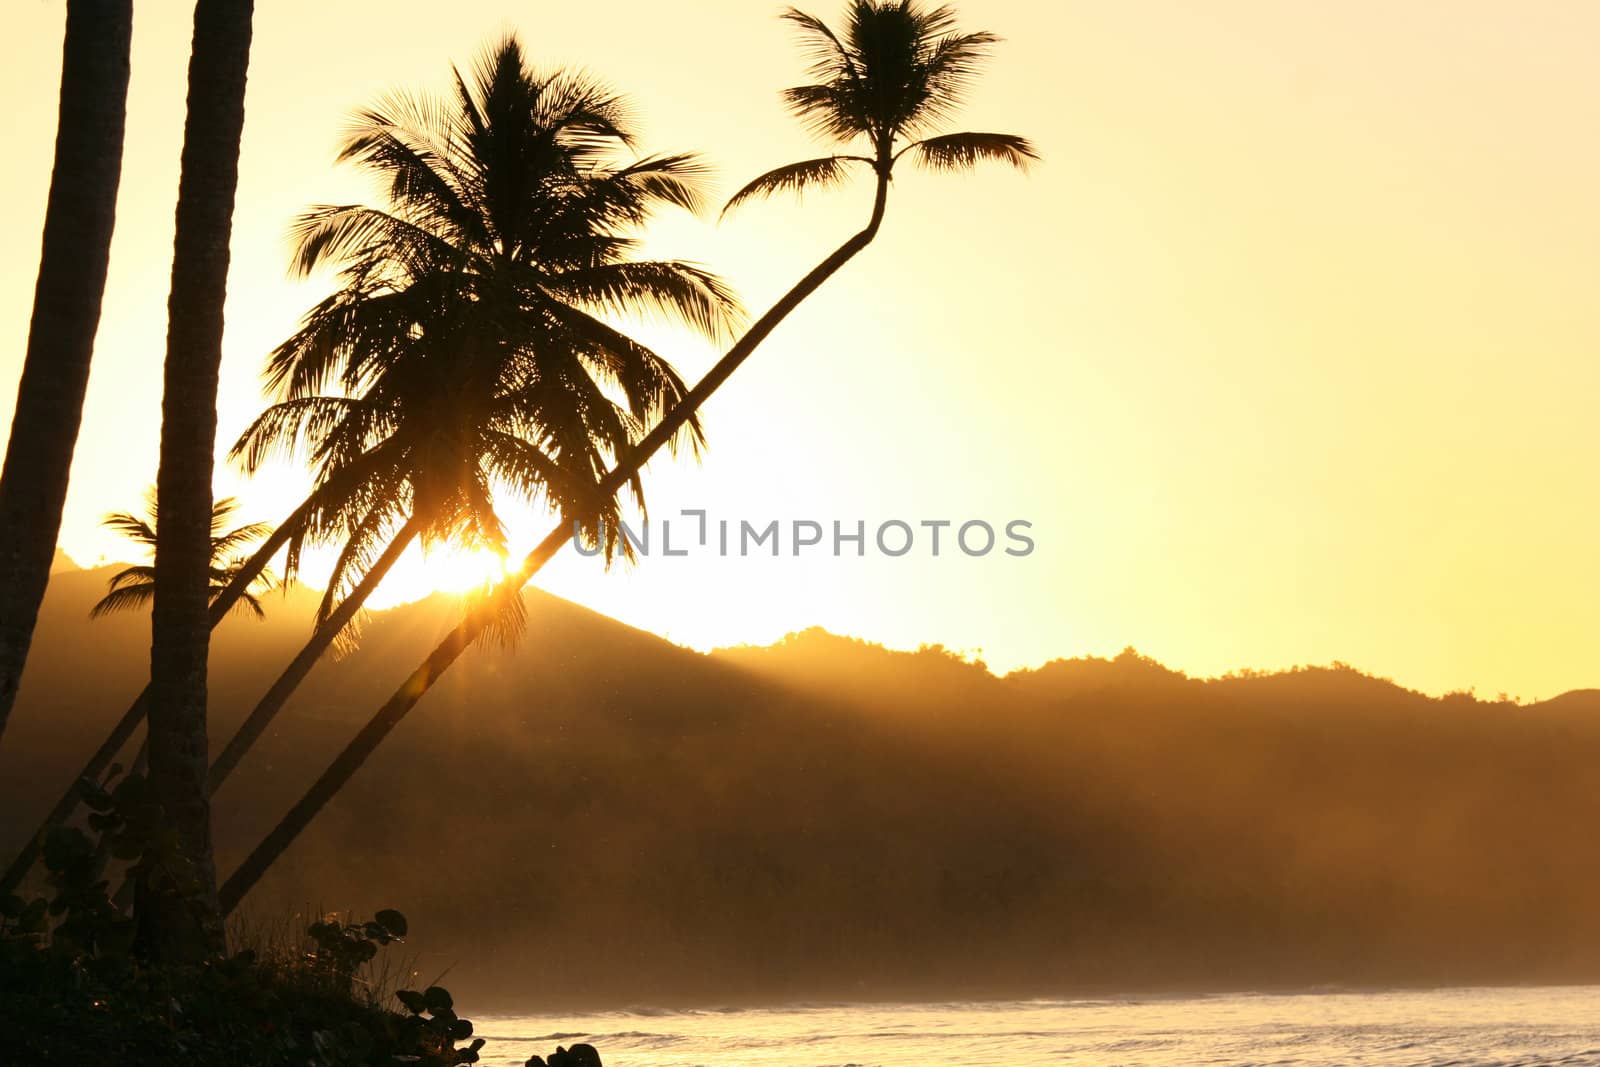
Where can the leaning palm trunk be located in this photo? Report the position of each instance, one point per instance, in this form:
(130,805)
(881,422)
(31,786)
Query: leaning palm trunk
(78,224)
(100,762)
(483,614)
(176,902)
(256,723)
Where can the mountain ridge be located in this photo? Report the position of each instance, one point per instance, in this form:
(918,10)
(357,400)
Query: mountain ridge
(599,817)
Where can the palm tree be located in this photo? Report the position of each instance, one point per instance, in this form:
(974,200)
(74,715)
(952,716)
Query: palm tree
(897,72)
(78,222)
(176,903)
(135,586)
(462,352)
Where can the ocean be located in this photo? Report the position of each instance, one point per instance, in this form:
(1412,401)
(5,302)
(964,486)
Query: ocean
(1500,1027)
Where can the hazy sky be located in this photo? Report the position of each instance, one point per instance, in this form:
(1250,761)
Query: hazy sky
(1290,350)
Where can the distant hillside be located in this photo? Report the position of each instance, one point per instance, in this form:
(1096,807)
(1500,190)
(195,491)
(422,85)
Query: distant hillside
(600,817)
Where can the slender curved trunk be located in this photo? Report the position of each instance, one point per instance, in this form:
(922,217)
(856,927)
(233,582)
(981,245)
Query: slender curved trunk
(256,723)
(100,761)
(177,913)
(414,688)
(78,222)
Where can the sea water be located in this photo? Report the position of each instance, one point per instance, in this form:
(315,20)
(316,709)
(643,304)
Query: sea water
(1456,1027)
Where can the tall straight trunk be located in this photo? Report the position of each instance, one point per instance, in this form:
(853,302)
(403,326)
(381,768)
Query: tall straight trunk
(414,688)
(78,222)
(177,911)
(256,723)
(100,761)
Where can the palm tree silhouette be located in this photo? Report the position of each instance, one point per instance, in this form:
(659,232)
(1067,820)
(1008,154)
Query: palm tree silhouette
(462,353)
(79,218)
(898,71)
(133,587)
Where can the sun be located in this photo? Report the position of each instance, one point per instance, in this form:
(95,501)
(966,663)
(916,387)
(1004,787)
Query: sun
(443,569)
(454,570)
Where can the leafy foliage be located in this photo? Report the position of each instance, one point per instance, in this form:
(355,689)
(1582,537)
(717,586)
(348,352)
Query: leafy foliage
(466,351)
(435,1024)
(61,1004)
(579,1055)
(72,989)
(894,74)
(134,587)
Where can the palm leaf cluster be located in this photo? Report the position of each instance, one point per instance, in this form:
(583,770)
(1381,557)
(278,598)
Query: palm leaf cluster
(470,349)
(895,73)
(133,587)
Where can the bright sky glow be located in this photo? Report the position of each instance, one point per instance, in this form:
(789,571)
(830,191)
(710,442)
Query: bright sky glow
(1288,349)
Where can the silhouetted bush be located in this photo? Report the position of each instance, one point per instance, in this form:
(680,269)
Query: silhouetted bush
(74,990)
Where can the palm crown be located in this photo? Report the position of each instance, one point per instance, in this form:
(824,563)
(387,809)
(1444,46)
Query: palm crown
(467,348)
(135,586)
(895,74)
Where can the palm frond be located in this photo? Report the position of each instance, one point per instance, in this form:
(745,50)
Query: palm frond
(649,382)
(678,179)
(132,527)
(507,616)
(825,53)
(226,543)
(963,151)
(679,292)
(366,541)
(412,140)
(130,596)
(588,119)
(222,576)
(952,64)
(830,112)
(351,337)
(334,232)
(248,601)
(795,178)
(530,473)
(291,426)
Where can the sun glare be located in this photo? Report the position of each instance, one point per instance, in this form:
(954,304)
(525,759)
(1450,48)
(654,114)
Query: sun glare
(442,570)
(462,571)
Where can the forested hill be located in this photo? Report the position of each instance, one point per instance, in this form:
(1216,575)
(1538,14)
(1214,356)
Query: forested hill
(598,817)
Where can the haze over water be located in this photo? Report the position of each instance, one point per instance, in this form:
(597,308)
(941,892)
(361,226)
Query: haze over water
(1506,1027)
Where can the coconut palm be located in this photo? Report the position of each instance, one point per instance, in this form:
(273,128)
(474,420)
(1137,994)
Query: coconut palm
(895,74)
(463,354)
(133,587)
(886,83)
(176,906)
(78,221)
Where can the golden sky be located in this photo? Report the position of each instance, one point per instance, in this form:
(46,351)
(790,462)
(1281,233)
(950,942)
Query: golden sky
(1290,350)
